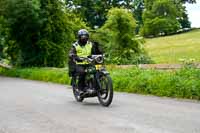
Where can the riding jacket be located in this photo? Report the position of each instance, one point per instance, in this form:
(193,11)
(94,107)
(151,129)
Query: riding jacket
(78,51)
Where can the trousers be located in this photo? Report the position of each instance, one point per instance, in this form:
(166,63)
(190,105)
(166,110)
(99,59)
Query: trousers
(80,71)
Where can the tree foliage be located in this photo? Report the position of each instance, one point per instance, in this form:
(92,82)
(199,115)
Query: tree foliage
(183,16)
(138,8)
(24,26)
(3,29)
(88,10)
(119,33)
(55,33)
(160,17)
(180,11)
(94,11)
(188,1)
(1,36)
(41,32)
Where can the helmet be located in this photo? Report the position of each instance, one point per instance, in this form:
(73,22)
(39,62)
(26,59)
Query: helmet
(83,36)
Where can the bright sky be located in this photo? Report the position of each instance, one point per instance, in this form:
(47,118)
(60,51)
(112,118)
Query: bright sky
(194,13)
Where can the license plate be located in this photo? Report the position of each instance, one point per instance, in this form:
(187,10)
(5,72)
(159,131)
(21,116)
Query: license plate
(98,67)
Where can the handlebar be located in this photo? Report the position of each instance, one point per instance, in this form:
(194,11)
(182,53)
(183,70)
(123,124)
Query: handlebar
(94,59)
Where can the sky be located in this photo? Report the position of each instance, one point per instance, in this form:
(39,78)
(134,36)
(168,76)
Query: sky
(194,13)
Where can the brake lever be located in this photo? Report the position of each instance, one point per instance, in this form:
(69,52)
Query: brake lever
(90,59)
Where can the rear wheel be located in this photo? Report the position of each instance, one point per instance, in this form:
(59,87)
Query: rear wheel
(76,90)
(105,93)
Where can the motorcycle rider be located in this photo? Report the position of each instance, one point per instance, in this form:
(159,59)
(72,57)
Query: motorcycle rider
(81,48)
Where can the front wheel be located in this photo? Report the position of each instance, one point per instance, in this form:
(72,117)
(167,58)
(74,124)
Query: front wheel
(105,92)
(76,92)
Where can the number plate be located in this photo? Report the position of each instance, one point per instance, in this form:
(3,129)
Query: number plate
(98,67)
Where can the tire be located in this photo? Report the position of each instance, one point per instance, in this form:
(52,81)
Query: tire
(75,90)
(105,93)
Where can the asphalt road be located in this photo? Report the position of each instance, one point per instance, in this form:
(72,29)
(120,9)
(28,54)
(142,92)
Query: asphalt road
(37,107)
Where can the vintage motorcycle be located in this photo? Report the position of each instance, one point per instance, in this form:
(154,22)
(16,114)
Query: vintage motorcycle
(97,79)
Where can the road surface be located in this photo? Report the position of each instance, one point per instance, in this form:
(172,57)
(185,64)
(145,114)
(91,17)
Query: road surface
(37,107)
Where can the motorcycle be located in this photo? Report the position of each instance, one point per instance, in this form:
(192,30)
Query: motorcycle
(97,79)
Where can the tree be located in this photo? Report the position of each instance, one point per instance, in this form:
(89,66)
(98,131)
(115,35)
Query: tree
(188,1)
(184,21)
(94,11)
(89,10)
(55,34)
(3,36)
(3,29)
(122,46)
(183,16)
(138,7)
(41,32)
(160,17)
(22,19)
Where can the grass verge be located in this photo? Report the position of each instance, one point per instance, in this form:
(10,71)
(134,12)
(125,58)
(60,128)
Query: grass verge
(183,83)
(54,75)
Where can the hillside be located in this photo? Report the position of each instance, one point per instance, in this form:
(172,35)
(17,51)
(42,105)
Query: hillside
(171,49)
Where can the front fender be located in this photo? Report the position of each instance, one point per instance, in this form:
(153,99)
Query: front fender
(98,74)
(104,71)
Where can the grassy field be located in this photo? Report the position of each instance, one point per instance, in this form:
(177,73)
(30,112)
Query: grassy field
(172,49)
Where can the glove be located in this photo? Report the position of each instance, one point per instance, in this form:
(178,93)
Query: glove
(78,59)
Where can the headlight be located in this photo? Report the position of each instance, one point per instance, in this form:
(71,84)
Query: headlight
(99,59)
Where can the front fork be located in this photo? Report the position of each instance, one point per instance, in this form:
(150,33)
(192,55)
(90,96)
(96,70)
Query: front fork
(97,76)
(98,84)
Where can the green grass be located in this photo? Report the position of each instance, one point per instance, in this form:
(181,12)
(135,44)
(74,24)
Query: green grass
(171,49)
(183,83)
(55,75)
